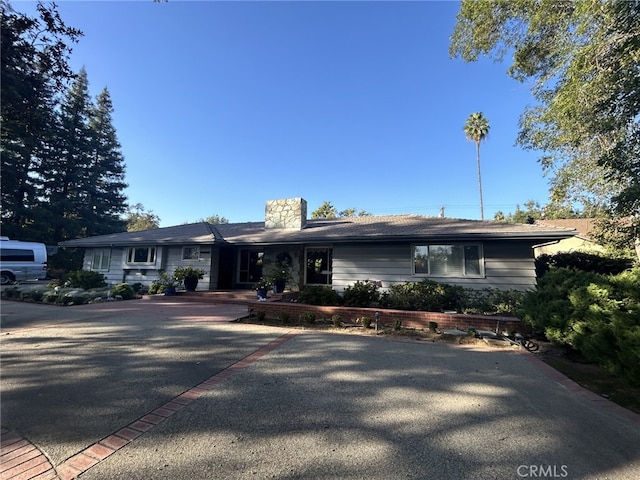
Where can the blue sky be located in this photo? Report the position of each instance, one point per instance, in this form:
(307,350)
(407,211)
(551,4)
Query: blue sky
(221,106)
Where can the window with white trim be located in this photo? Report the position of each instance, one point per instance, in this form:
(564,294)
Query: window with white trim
(100,259)
(448,260)
(141,256)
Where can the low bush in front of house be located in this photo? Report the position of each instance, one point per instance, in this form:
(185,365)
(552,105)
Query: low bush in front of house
(54,294)
(427,296)
(491,300)
(361,294)
(319,295)
(85,279)
(123,291)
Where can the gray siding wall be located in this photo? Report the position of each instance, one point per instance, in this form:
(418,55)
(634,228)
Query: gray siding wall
(174,260)
(508,265)
(168,259)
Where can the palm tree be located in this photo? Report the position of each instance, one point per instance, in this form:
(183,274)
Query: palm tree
(476,129)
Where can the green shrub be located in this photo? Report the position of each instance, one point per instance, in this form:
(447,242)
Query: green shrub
(155,287)
(319,295)
(599,315)
(65,260)
(365,321)
(491,300)
(37,295)
(124,290)
(181,273)
(284,317)
(72,297)
(11,292)
(51,297)
(309,318)
(261,315)
(548,308)
(85,279)
(397,324)
(163,282)
(77,300)
(427,295)
(586,262)
(336,320)
(137,287)
(361,294)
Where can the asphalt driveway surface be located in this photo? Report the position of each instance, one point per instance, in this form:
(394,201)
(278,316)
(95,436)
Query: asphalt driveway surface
(163,390)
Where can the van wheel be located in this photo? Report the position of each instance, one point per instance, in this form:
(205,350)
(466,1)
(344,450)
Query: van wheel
(6,278)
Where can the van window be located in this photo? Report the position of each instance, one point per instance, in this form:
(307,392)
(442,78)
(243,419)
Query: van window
(16,255)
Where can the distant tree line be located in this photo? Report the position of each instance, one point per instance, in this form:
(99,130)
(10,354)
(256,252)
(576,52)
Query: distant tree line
(327,210)
(62,166)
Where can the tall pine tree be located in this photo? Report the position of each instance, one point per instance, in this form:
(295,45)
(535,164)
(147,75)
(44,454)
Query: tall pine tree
(65,169)
(106,172)
(83,172)
(34,70)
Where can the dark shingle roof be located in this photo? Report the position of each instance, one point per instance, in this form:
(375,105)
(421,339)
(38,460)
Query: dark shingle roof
(345,229)
(584,226)
(180,234)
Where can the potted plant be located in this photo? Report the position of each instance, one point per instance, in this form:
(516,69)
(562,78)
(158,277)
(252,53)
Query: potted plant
(262,287)
(278,273)
(188,276)
(165,284)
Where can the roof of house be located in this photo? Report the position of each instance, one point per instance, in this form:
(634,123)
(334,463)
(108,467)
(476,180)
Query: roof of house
(583,226)
(344,229)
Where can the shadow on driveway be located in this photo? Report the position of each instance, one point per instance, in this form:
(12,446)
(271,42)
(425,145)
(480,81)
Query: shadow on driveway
(272,405)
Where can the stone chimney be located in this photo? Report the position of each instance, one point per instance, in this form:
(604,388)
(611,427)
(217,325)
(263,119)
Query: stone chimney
(290,214)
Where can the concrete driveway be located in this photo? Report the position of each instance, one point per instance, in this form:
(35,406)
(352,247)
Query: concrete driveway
(164,390)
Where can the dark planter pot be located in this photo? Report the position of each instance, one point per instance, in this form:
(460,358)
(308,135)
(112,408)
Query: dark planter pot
(170,291)
(190,284)
(262,293)
(279,285)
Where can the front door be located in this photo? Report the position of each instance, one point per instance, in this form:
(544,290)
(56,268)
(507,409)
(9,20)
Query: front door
(251,261)
(225,268)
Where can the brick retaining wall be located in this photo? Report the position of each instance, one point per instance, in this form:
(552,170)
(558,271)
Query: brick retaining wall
(409,319)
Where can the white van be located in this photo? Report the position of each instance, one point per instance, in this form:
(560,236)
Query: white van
(22,261)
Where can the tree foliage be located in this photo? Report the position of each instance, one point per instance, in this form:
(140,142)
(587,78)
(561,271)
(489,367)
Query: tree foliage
(214,219)
(62,169)
(476,129)
(138,219)
(582,61)
(534,211)
(327,210)
(34,70)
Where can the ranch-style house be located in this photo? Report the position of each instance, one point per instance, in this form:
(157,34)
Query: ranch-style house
(335,252)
